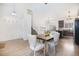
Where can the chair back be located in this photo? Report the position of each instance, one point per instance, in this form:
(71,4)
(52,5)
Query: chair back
(55,35)
(32,40)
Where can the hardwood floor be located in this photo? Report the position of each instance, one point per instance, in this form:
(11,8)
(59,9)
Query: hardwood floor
(66,47)
(20,47)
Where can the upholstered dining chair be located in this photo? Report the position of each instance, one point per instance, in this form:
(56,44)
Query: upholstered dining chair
(55,39)
(34,45)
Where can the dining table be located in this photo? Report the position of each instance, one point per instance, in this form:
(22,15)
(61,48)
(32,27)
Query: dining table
(45,39)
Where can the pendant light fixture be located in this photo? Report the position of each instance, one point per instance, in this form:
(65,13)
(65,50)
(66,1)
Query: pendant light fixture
(13,12)
(45,3)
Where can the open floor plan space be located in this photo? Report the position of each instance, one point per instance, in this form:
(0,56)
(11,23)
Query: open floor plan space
(39,29)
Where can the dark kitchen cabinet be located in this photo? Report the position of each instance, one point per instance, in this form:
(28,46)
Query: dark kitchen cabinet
(77,31)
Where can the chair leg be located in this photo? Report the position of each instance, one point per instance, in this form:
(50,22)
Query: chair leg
(34,53)
(54,51)
(44,51)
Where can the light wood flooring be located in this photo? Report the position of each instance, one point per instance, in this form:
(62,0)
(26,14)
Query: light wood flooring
(20,47)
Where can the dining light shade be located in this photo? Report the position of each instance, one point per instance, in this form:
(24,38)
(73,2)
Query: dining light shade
(29,11)
(13,13)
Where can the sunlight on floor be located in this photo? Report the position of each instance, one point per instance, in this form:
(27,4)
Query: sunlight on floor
(69,47)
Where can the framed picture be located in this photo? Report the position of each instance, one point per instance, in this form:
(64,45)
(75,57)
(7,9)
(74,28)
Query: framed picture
(61,24)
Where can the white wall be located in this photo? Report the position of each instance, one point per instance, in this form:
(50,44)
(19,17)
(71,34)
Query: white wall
(13,27)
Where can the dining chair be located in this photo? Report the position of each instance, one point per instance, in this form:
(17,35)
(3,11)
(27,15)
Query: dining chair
(34,45)
(55,40)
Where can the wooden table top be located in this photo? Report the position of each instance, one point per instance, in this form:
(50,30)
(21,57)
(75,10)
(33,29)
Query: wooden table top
(43,37)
